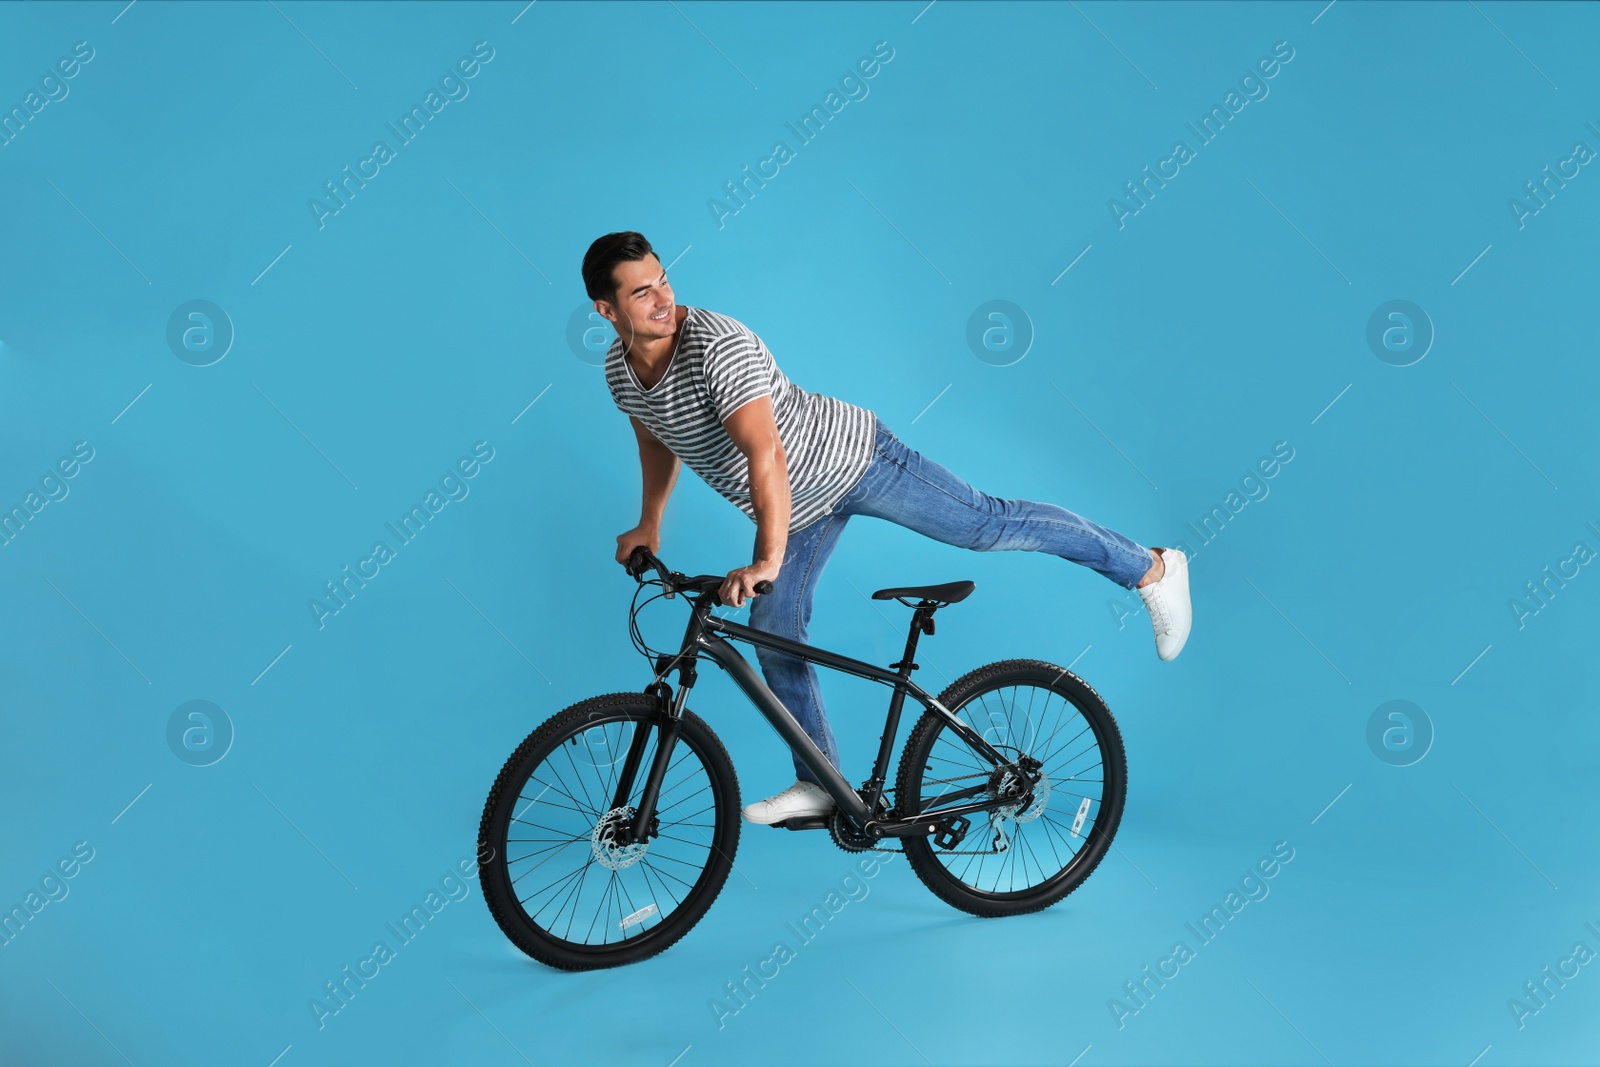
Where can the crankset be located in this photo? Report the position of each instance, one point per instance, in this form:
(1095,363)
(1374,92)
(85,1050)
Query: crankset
(848,836)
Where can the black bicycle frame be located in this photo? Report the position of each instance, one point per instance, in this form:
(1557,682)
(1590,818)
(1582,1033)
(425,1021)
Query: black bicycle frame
(708,633)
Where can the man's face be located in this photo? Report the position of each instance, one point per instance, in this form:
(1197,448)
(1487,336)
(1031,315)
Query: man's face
(644,307)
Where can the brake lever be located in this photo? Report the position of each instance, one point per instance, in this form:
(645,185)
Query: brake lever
(647,561)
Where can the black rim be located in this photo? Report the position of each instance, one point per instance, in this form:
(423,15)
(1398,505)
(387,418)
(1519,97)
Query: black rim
(1043,841)
(568,881)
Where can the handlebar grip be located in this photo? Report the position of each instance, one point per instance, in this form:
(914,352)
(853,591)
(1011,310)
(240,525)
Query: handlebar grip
(638,561)
(762,588)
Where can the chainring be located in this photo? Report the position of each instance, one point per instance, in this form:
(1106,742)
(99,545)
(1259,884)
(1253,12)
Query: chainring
(849,837)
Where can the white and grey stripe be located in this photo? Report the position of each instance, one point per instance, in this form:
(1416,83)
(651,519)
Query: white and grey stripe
(719,366)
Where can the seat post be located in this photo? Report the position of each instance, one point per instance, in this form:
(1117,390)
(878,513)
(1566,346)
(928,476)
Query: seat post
(921,622)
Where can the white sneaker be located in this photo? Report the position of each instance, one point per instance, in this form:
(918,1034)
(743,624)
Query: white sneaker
(802,798)
(1167,601)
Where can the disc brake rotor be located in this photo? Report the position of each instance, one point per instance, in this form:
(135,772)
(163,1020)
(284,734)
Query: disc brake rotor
(1017,812)
(608,843)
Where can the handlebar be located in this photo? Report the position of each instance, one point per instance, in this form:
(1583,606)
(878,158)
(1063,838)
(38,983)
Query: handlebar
(641,559)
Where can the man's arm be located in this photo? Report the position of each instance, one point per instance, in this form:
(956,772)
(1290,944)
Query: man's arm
(755,433)
(660,470)
(659,466)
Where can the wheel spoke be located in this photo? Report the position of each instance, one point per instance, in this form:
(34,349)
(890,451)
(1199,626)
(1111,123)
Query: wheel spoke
(566,750)
(703,789)
(536,851)
(556,773)
(665,874)
(535,867)
(615,767)
(563,880)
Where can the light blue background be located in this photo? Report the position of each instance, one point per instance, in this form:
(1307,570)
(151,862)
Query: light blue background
(429,313)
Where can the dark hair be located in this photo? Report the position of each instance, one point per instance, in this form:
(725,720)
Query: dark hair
(605,254)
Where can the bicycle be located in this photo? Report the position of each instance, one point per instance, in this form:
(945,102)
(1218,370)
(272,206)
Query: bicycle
(612,827)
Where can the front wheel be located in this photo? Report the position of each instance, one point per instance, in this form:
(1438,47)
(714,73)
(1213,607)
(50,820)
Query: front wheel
(559,875)
(1016,858)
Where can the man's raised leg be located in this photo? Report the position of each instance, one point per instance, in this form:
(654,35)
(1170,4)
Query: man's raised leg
(915,492)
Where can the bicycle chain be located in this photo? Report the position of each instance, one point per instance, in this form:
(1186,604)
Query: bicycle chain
(940,852)
(944,852)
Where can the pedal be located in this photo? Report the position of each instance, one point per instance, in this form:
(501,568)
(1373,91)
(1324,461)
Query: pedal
(951,832)
(804,822)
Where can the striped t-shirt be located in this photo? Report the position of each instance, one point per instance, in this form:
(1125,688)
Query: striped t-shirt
(720,366)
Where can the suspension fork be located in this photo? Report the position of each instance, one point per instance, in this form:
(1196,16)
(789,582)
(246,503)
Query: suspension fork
(668,739)
(668,720)
(668,723)
(641,738)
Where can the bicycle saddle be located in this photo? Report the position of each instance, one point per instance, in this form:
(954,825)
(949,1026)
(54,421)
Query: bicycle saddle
(948,593)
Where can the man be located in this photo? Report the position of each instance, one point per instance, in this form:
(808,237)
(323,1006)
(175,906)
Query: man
(701,388)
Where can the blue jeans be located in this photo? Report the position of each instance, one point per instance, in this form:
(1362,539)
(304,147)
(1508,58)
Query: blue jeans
(908,489)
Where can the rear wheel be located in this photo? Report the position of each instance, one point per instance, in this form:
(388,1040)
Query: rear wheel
(558,875)
(1019,858)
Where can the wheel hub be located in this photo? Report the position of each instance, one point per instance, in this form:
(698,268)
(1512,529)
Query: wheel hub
(611,848)
(1006,781)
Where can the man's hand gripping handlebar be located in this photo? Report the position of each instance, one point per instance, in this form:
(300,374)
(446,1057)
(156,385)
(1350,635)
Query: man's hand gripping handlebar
(641,559)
